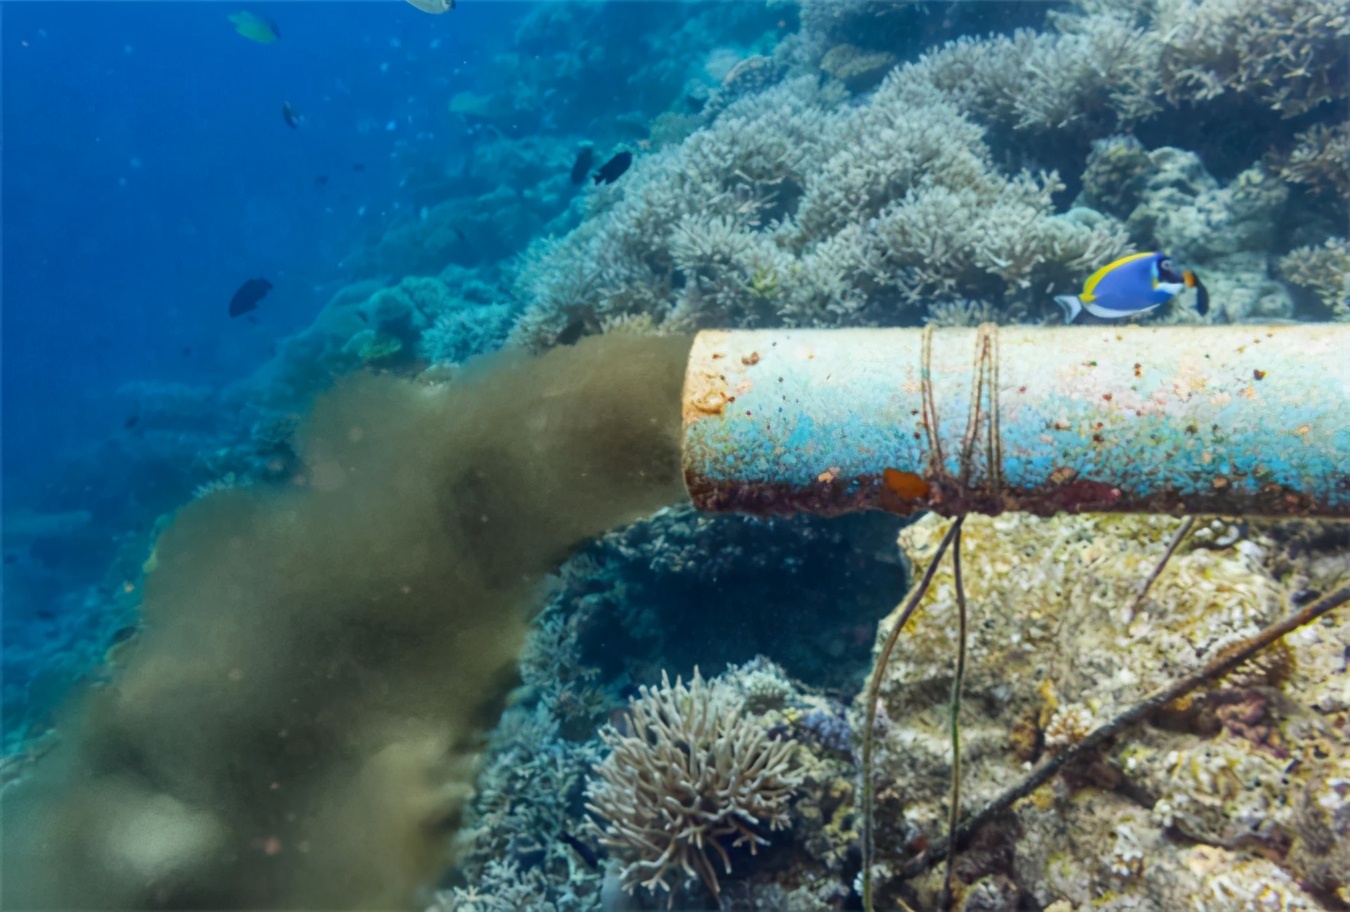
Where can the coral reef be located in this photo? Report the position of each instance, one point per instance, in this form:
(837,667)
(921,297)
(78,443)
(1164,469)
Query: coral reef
(1320,160)
(1287,54)
(792,207)
(787,212)
(1323,270)
(694,771)
(758,584)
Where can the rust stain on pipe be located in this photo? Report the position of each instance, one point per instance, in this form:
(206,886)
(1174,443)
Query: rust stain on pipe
(1245,419)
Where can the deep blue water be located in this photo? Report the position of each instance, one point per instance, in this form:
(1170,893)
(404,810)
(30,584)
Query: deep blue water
(148,172)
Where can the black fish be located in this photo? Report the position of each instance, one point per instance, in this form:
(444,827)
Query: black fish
(1201,292)
(321,180)
(187,350)
(459,235)
(291,116)
(582,166)
(613,169)
(357,166)
(586,852)
(122,634)
(248,296)
(131,421)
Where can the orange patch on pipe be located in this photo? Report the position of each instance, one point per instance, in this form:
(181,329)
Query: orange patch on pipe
(905,484)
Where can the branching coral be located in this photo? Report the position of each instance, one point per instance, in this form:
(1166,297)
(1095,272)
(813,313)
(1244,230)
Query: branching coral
(1321,161)
(790,209)
(1097,73)
(1325,271)
(694,771)
(1288,54)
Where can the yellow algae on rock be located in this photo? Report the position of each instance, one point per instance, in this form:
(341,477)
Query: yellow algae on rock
(1053,653)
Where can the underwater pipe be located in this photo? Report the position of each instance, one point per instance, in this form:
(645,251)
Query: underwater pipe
(1236,420)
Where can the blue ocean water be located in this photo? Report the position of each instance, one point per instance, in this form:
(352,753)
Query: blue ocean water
(148,171)
(419,189)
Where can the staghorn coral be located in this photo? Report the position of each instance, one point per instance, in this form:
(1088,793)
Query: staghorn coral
(856,68)
(1325,271)
(1095,75)
(789,210)
(526,794)
(694,771)
(1287,54)
(1320,160)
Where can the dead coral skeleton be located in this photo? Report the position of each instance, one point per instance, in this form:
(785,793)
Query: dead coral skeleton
(694,770)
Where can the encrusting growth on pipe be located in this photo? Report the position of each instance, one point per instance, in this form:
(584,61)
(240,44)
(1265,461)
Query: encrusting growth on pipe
(1247,420)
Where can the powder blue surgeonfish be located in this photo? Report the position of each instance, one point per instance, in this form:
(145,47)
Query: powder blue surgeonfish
(1132,285)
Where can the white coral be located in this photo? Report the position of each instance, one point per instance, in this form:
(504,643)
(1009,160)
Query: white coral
(694,771)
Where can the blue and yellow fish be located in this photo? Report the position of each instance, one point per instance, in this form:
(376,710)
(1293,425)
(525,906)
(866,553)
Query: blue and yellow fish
(1132,285)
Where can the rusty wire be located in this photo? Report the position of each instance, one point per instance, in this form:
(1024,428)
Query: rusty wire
(870,710)
(958,678)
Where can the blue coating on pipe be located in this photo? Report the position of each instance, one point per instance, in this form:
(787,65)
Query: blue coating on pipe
(1241,419)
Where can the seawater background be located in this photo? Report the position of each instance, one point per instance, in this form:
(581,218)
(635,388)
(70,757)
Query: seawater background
(148,172)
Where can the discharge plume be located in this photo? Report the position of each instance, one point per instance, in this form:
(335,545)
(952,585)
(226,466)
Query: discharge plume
(298,725)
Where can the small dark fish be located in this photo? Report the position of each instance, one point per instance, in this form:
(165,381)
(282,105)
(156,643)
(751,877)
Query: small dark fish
(357,166)
(459,235)
(586,852)
(613,169)
(321,180)
(122,634)
(292,117)
(1191,280)
(131,421)
(248,296)
(187,350)
(582,166)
